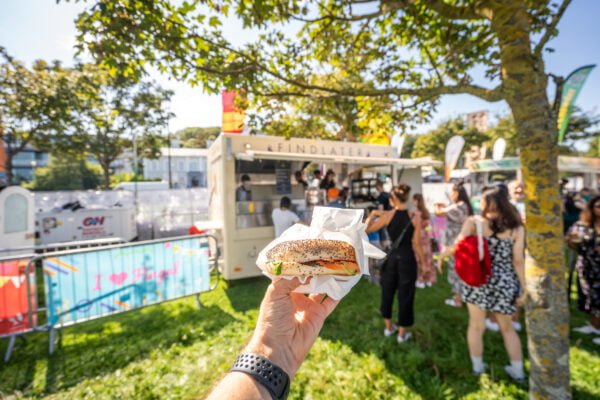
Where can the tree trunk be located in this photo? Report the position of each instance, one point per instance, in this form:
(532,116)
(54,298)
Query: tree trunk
(8,165)
(547,313)
(106,174)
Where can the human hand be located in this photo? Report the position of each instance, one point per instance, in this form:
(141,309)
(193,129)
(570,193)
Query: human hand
(288,324)
(520,300)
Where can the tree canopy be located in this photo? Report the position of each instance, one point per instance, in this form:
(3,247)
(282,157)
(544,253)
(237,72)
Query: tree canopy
(410,51)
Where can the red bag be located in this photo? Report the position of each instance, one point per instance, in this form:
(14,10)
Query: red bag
(473,262)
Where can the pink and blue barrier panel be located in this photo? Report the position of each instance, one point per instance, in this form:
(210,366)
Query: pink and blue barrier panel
(87,284)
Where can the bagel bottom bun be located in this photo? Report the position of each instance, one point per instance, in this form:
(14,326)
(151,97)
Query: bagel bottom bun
(321,267)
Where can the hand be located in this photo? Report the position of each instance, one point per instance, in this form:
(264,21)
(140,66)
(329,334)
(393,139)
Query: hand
(520,300)
(288,324)
(440,263)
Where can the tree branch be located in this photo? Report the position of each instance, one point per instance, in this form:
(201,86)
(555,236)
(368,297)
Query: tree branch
(550,29)
(456,12)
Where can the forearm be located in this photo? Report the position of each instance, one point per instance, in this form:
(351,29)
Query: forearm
(520,270)
(239,386)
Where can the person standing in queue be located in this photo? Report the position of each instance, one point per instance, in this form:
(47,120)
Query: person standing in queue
(584,238)
(427,274)
(316,181)
(329,181)
(456,214)
(505,289)
(399,274)
(300,179)
(283,217)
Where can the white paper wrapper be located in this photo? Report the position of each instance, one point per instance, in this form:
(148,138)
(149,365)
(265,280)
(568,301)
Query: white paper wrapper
(334,224)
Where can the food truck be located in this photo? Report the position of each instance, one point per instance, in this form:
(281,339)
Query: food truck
(242,216)
(580,171)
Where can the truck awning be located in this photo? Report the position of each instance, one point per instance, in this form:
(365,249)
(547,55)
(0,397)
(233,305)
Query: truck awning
(250,155)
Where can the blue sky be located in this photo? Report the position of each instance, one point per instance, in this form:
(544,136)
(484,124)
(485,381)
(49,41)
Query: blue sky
(32,29)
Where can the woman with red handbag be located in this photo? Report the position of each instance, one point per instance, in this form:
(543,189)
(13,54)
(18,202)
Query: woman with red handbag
(501,225)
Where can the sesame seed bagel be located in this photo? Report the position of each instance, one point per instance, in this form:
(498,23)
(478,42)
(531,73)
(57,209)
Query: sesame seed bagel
(312,257)
(311,250)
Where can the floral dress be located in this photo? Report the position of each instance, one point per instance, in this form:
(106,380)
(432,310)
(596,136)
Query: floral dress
(427,273)
(502,289)
(588,268)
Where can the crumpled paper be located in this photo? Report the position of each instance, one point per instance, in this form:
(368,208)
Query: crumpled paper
(334,224)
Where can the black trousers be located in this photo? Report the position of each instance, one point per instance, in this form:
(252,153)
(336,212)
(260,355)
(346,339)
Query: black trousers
(399,274)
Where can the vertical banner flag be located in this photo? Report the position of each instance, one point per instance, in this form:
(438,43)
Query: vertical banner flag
(233,118)
(453,149)
(499,149)
(571,88)
(397,143)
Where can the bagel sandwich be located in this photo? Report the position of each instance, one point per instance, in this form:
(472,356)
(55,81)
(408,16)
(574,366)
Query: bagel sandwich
(312,257)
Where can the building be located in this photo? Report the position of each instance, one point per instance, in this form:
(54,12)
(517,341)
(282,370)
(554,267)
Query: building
(478,120)
(25,162)
(188,167)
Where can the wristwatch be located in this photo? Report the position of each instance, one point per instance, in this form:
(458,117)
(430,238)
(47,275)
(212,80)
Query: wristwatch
(273,378)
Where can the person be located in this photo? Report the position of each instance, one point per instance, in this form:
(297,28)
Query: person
(383,198)
(283,217)
(584,237)
(399,273)
(505,289)
(244,192)
(316,181)
(288,325)
(333,195)
(329,181)
(517,197)
(300,179)
(571,212)
(426,275)
(455,214)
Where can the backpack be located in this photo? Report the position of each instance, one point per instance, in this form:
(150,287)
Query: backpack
(473,262)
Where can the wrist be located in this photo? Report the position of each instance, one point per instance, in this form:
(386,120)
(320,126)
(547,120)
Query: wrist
(280,356)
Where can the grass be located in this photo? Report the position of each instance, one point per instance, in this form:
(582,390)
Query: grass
(174,351)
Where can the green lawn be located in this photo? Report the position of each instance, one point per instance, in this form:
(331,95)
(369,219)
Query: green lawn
(175,351)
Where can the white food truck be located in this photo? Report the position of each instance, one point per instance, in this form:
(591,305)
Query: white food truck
(245,227)
(580,171)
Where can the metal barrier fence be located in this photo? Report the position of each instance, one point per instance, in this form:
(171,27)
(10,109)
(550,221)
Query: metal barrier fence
(85,284)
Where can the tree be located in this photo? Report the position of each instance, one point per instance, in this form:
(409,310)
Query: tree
(415,52)
(433,143)
(196,137)
(66,173)
(34,104)
(113,113)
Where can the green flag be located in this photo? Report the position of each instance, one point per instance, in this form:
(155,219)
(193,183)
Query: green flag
(571,88)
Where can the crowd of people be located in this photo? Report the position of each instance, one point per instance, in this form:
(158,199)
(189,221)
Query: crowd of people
(404,227)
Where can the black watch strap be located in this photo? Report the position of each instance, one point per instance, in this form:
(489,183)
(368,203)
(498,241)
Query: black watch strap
(273,378)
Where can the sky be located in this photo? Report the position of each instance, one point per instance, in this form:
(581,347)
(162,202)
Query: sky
(41,29)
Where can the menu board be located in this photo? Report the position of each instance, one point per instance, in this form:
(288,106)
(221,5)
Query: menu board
(283,172)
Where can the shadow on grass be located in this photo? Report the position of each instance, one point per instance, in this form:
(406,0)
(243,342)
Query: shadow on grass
(435,363)
(246,294)
(99,347)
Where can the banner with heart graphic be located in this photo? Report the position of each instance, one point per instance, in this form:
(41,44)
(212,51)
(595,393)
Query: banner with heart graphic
(95,283)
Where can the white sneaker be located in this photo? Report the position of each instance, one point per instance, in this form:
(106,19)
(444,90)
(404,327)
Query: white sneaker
(587,329)
(491,325)
(429,284)
(596,340)
(514,375)
(517,326)
(480,371)
(405,338)
(390,332)
(451,303)
(420,285)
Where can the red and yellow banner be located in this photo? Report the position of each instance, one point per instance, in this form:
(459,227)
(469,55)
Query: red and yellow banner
(233,118)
